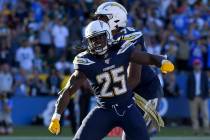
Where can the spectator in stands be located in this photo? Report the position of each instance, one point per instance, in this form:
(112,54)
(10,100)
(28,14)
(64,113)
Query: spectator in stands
(7,81)
(60,33)
(182,56)
(21,83)
(51,59)
(197,51)
(76,31)
(180,20)
(62,64)
(21,11)
(153,46)
(32,38)
(38,59)
(197,93)
(6,89)
(31,25)
(4,54)
(4,31)
(45,38)
(25,56)
(171,49)
(37,8)
(5,115)
(53,82)
(35,85)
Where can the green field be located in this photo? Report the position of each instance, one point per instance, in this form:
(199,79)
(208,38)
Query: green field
(41,133)
(66,131)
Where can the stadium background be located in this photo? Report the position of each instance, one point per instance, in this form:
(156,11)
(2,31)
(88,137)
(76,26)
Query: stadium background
(39,38)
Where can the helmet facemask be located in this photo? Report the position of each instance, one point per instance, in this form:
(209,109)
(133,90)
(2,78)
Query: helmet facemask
(97,37)
(98,43)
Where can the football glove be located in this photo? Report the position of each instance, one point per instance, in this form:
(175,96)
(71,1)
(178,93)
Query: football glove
(151,116)
(167,66)
(54,126)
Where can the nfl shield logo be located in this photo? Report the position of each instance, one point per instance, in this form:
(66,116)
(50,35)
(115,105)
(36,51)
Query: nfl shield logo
(107,61)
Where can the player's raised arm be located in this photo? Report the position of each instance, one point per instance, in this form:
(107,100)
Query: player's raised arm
(134,73)
(75,82)
(144,58)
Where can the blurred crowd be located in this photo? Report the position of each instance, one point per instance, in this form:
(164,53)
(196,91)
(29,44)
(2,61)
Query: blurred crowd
(39,38)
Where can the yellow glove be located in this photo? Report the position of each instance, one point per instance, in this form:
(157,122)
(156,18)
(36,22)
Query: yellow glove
(54,126)
(167,66)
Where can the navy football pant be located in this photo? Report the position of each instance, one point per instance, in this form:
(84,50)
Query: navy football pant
(98,123)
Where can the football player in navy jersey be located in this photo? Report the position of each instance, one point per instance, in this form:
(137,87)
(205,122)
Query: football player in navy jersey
(105,66)
(142,79)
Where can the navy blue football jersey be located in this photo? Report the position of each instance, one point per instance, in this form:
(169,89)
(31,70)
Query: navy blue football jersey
(108,73)
(135,36)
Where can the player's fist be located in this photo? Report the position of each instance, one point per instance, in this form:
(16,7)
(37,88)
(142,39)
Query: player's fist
(167,66)
(54,126)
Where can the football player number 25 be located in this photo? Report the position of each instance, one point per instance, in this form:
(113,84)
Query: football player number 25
(114,76)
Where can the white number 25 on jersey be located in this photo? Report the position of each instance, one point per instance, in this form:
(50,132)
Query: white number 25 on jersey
(114,76)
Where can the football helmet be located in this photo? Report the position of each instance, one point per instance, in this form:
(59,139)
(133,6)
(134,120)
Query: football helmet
(115,12)
(98,36)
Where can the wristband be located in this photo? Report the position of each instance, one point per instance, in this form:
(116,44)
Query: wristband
(56,116)
(163,61)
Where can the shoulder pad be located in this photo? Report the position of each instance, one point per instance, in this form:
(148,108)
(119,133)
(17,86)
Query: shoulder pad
(132,36)
(80,59)
(125,46)
(82,54)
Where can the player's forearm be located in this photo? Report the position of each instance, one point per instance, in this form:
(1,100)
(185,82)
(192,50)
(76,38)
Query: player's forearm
(74,83)
(156,60)
(63,101)
(65,95)
(144,58)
